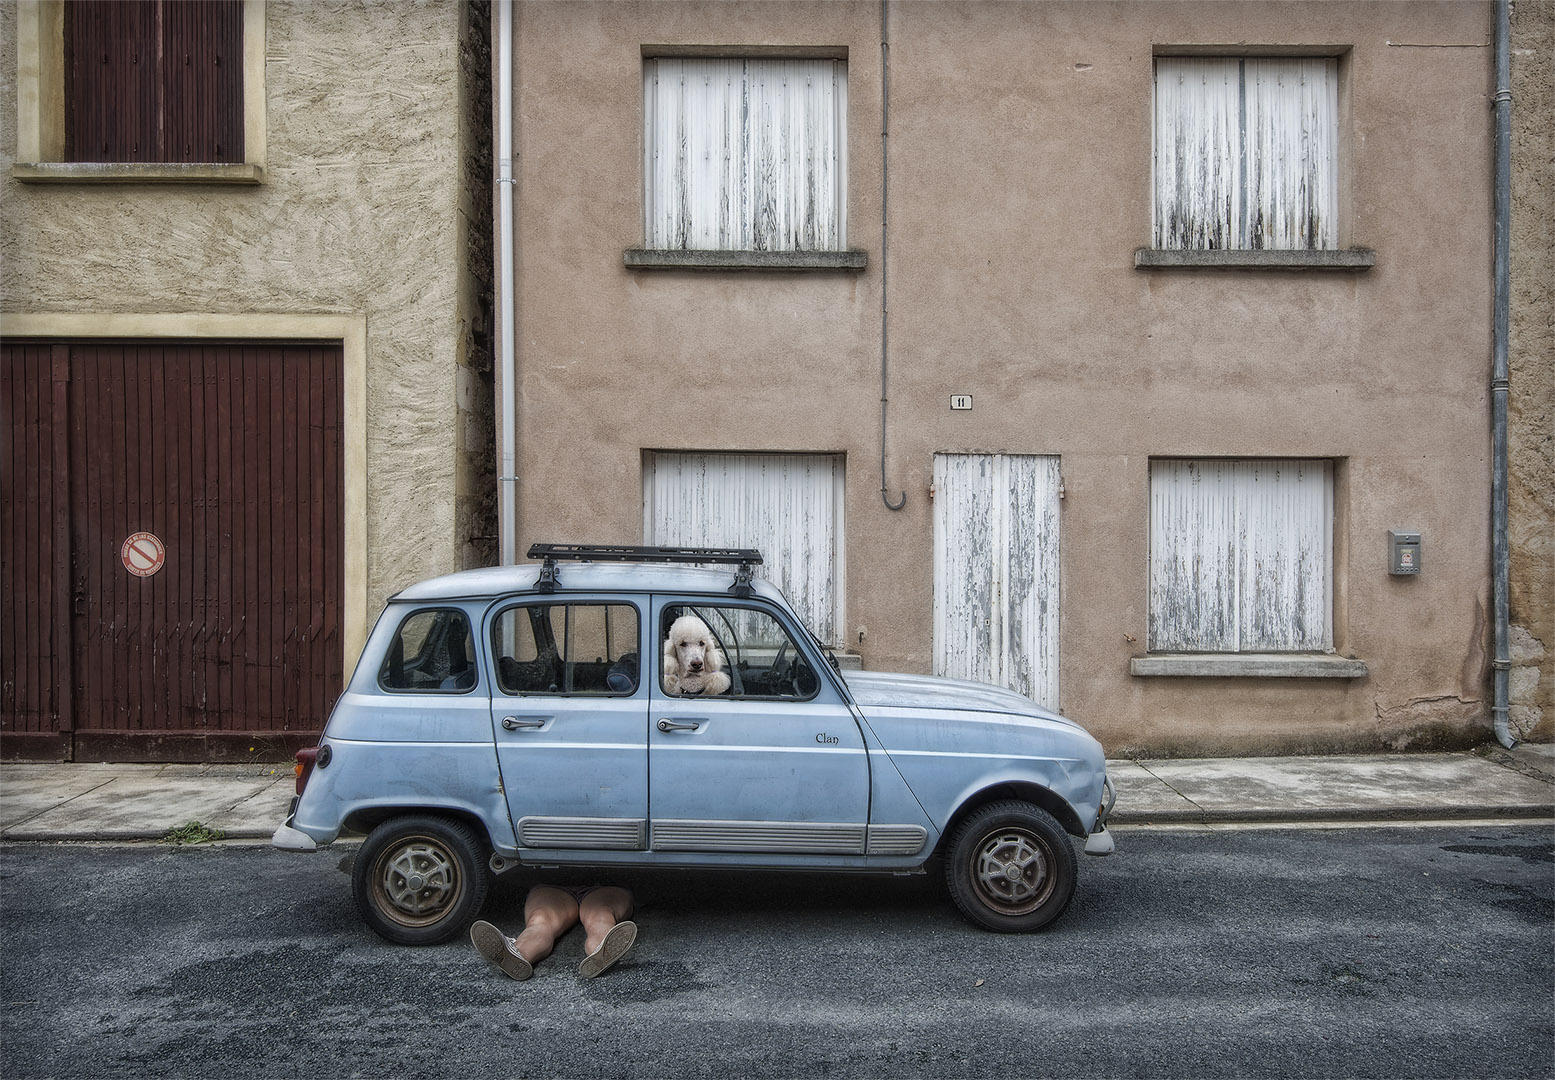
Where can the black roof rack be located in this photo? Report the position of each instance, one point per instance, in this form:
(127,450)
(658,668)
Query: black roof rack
(743,558)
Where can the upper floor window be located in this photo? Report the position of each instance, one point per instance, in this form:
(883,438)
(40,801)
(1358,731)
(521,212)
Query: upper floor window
(154,81)
(744,154)
(1246,153)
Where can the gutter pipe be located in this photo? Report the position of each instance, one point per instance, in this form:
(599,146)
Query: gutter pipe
(885,172)
(507,471)
(1500,379)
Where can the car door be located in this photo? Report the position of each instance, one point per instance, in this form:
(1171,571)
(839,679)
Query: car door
(569,709)
(772,766)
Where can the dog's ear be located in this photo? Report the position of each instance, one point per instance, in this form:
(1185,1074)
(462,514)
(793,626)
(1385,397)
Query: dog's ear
(671,663)
(714,660)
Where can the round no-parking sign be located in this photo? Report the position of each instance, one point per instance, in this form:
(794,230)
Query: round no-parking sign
(143,554)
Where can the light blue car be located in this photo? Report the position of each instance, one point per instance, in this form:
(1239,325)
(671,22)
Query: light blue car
(540,715)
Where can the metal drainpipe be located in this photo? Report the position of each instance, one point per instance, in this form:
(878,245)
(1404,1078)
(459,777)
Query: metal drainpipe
(507,472)
(885,131)
(1500,378)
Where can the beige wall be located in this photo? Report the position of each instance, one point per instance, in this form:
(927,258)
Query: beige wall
(1019,190)
(362,214)
(1531,404)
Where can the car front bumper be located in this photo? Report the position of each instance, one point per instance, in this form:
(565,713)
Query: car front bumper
(1100,841)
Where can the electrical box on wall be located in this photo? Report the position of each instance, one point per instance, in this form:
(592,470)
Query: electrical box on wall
(1403,552)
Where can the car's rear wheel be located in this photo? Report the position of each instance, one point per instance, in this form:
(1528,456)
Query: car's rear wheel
(1010,867)
(420,880)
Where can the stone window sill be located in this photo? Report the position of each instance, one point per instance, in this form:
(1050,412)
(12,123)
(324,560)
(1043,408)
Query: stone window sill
(136,172)
(1248,666)
(1352,260)
(663,259)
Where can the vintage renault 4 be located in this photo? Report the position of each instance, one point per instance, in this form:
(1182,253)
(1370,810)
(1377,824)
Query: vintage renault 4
(543,715)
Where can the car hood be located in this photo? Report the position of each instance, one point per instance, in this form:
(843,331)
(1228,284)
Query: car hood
(881,690)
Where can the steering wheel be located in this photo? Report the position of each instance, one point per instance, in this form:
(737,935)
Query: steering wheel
(793,680)
(777,679)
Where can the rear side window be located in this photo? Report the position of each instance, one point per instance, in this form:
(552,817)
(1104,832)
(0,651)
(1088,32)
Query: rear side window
(577,649)
(432,652)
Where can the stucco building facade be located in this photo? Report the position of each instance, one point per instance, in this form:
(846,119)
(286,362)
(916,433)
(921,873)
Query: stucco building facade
(1117,352)
(346,216)
(1141,348)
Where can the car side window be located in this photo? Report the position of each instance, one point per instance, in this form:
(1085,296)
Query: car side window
(727,650)
(432,652)
(577,649)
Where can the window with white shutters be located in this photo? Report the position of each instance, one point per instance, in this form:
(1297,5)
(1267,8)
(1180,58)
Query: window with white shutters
(1246,153)
(1241,555)
(788,506)
(745,154)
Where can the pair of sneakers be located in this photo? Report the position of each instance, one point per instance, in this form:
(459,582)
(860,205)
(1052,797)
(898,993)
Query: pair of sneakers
(502,950)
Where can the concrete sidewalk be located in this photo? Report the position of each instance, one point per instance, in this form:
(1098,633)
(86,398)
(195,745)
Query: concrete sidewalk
(143,802)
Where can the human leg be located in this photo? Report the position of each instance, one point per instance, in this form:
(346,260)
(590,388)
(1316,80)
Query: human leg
(604,913)
(548,914)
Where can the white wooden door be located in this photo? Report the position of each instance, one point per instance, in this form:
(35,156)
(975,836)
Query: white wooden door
(996,571)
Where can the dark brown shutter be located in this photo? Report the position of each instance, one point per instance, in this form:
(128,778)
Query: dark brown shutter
(203,65)
(154,80)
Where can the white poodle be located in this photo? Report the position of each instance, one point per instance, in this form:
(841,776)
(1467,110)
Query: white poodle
(693,662)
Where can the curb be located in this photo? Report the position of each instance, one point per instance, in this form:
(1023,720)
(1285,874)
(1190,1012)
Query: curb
(1315,816)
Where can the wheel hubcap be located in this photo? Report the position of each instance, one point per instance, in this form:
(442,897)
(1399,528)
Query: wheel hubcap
(1012,871)
(417,881)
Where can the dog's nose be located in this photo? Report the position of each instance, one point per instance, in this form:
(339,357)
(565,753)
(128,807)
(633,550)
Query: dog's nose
(696,665)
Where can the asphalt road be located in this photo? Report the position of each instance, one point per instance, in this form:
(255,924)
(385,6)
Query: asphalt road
(1399,952)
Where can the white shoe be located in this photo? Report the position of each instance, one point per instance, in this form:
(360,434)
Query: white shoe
(501,950)
(616,942)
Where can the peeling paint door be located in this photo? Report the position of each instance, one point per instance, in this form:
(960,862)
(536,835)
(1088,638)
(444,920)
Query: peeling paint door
(996,571)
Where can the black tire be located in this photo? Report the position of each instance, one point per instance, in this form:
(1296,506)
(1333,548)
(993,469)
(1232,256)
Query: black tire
(420,879)
(1010,867)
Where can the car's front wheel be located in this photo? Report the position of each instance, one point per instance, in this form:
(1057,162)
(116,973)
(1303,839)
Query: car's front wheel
(1010,867)
(420,880)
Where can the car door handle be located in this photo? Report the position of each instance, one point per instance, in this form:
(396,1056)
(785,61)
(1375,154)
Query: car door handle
(671,725)
(513,723)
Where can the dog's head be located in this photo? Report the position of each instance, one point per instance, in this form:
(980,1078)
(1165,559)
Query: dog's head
(690,651)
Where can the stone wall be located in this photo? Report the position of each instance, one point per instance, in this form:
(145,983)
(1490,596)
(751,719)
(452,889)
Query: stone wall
(1531,435)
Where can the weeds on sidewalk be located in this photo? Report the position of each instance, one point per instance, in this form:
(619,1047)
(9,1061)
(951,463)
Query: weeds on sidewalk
(192,832)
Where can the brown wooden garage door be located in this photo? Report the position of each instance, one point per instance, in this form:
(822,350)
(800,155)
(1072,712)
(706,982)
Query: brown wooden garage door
(170,549)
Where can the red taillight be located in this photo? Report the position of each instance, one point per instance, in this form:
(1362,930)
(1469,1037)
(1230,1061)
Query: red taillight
(305,760)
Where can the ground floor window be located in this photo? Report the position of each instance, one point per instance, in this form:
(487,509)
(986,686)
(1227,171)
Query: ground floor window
(789,506)
(1241,555)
